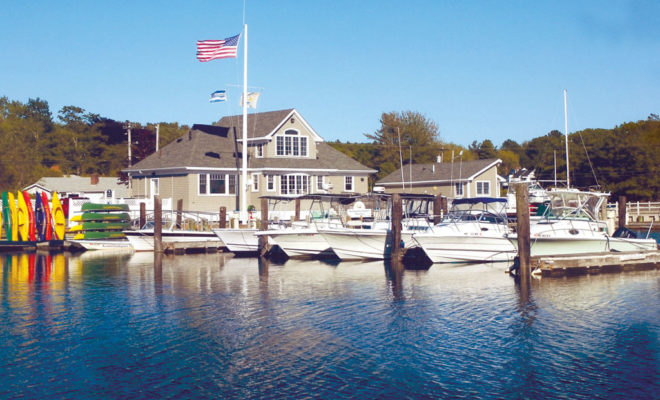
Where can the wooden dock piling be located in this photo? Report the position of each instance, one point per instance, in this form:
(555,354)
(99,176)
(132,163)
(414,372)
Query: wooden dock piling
(522,229)
(158,225)
(397,214)
(622,212)
(143,214)
(179,213)
(222,221)
(297,216)
(439,208)
(263,240)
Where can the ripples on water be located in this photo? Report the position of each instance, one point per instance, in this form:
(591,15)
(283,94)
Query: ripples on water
(212,326)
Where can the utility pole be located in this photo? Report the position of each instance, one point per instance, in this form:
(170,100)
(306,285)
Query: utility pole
(403,180)
(128,127)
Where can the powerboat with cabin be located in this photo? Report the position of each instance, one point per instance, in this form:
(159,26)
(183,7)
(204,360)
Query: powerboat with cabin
(473,231)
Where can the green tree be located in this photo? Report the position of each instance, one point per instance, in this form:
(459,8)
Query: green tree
(419,140)
(483,150)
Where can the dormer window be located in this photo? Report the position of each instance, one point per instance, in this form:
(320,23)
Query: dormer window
(291,144)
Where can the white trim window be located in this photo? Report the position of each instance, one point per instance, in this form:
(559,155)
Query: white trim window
(348,184)
(270,183)
(294,184)
(320,180)
(259,151)
(216,184)
(483,188)
(458,189)
(255,182)
(291,144)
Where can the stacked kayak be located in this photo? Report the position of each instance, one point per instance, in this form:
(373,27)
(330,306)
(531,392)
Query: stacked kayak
(23,222)
(101,221)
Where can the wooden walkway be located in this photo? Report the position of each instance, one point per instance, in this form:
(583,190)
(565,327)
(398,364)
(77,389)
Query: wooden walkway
(595,263)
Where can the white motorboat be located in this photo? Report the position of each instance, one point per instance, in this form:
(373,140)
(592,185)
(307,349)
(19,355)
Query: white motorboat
(302,239)
(571,226)
(143,239)
(373,240)
(238,240)
(475,230)
(102,244)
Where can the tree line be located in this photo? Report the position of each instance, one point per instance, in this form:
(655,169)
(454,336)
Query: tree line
(624,160)
(33,144)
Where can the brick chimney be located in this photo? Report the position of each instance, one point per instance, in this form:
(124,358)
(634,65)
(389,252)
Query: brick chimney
(95,179)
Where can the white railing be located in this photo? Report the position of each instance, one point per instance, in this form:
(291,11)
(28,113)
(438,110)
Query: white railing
(638,211)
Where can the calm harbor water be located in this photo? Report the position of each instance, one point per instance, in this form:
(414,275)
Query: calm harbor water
(213,326)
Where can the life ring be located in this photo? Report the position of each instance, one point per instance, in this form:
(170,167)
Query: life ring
(358,205)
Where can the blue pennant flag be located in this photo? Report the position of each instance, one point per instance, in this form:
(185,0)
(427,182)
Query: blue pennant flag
(217,96)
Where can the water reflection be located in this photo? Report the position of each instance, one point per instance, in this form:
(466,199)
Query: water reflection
(209,326)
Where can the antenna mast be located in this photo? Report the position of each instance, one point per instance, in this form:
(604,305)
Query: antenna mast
(568,179)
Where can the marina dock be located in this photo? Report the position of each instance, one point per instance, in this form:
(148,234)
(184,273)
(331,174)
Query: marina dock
(594,263)
(7,246)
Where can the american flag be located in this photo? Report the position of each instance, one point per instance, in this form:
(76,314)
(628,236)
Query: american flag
(208,50)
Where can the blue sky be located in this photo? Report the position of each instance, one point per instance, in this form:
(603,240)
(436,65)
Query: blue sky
(479,69)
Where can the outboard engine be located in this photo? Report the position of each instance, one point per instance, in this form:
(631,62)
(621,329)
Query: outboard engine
(623,232)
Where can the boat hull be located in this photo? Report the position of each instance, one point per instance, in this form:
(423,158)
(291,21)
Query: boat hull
(108,245)
(143,240)
(465,249)
(358,244)
(364,244)
(300,243)
(568,245)
(238,240)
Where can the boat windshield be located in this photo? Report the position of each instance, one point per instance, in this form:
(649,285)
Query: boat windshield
(487,212)
(574,204)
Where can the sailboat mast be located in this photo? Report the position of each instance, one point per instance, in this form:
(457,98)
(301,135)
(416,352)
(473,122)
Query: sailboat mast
(243,193)
(568,179)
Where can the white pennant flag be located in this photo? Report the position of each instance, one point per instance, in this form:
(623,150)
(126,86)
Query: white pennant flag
(252,98)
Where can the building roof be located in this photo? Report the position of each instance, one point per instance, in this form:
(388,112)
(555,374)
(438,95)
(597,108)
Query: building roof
(264,124)
(209,147)
(439,172)
(81,184)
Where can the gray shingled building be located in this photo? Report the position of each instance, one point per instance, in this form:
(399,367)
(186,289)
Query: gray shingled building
(285,157)
(454,180)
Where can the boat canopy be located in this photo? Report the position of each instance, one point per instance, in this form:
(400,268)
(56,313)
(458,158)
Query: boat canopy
(491,209)
(569,203)
(475,200)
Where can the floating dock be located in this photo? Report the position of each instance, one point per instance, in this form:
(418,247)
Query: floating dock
(594,263)
(29,246)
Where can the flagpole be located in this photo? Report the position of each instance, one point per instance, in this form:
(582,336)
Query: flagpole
(243,194)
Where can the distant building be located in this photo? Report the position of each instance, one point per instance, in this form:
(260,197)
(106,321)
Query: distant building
(285,157)
(96,188)
(454,180)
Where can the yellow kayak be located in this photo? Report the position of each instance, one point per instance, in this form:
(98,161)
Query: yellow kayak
(59,220)
(14,217)
(23,218)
